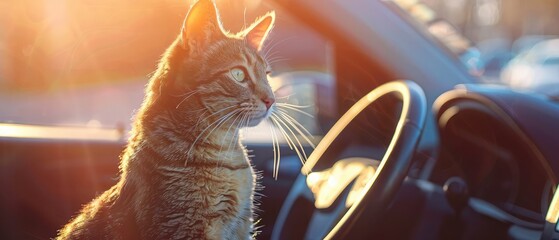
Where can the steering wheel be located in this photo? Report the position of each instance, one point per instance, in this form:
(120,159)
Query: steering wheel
(320,204)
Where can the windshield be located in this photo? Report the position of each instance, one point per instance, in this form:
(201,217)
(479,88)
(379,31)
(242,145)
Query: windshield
(493,38)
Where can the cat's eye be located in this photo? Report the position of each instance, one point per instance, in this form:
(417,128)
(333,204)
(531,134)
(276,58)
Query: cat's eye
(238,74)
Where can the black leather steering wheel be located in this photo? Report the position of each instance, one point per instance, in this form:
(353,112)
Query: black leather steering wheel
(373,186)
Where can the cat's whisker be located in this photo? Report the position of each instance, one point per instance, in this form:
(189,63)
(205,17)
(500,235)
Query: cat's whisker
(218,121)
(274,151)
(275,146)
(235,136)
(284,97)
(247,120)
(279,153)
(295,106)
(270,52)
(198,110)
(200,120)
(239,111)
(245,117)
(279,127)
(241,117)
(281,121)
(285,114)
(295,109)
(227,133)
(244,122)
(270,48)
(275,61)
(303,132)
(286,136)
(188,95)
(272,55)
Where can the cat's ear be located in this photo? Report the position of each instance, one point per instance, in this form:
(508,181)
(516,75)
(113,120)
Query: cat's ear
(201,26)
(256,34)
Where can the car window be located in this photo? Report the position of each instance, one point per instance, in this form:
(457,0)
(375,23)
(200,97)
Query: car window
(86,63)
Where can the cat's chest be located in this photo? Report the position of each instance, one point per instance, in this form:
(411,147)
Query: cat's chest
(242,178)
(233,176)
(208,190)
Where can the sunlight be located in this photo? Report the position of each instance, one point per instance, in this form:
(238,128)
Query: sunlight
(358,188)
(61,133)
(328,185)
(69,43)
(553,212)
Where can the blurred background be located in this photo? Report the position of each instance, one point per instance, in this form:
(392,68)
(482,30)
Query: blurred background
(514,38)
(85,63)
(483,20)
(62,62)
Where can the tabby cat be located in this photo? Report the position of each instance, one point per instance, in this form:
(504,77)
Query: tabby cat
(184,174)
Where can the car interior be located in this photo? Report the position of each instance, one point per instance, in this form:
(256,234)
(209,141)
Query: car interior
(402,151)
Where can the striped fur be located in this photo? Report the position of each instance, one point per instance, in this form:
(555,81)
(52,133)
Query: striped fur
(184,174)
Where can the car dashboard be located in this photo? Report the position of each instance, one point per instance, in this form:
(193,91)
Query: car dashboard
(493,174)
(489,143)
(495,161)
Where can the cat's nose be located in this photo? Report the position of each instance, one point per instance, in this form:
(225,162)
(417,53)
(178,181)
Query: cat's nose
(268,102)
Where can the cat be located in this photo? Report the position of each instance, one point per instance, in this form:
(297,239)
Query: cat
(184,174)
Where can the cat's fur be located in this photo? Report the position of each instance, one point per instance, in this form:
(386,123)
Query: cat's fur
(184,174)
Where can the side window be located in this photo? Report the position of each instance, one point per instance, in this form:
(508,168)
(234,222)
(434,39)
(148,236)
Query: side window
(52,75)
